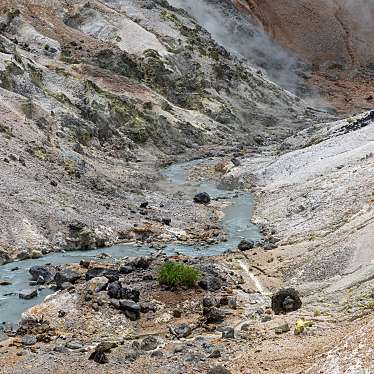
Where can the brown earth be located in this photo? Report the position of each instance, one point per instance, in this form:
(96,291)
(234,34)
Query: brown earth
(335,37)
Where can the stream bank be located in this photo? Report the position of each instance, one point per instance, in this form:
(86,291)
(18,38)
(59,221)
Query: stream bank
(236,223)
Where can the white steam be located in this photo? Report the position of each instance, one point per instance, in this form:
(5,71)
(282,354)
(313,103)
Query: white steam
(237,34)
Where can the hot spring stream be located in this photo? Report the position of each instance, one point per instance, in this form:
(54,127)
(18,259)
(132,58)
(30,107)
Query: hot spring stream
(236,223)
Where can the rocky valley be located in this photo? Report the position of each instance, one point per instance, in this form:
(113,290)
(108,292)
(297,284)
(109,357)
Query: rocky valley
(186,187)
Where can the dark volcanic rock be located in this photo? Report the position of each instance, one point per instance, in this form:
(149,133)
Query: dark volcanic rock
(166,221)
(181,331)
(126,269)
(149,343)
(209,302)
(66,276)
(228,333)
(210,283)
(117,291)
(235,161)
(285,301)
(141,263)
(147,307)
(219,370)
(110,274)
(99,357)
(42,274)
(246,245)
(130,308)
(202,198)
(144,204)
(214,315)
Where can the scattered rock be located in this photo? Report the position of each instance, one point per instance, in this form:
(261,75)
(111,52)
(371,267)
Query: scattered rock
(235,161)
(214,315)
(179,348)
(66,276)
(5,282)
(117,291)
(246,245)
(61,313)
(285,301)
(106,346)
(29,340)
(74,345)
(181,331)
(110,274)
(228,333)
(177,313)
(141,263)
(210,283)
(85,264)
(282,329)
(42,274)
(99,357)
(202,198)
(133,356)
(149,343)
(232,302)
(126,269)
(210,302)
(245,327)
(218,370)
(66,286)
(215,354)
(147,307)
(99,283)
(166,221)
(28,293)
(156,354)
(131,309)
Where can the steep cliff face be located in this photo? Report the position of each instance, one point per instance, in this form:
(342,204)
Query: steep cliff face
(335,37)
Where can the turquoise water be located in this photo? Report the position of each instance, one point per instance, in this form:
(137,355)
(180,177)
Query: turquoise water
(236,223)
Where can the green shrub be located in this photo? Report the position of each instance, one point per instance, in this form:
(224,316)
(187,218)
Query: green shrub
(177,274)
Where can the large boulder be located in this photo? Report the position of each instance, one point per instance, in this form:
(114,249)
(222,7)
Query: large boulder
(202,198)
(117,290)
(42,274)
(66,276)
(210,283)
(285,301)
(246,245)
(130,308)
(110,274)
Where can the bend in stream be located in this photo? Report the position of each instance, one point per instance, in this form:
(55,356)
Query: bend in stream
(236,223)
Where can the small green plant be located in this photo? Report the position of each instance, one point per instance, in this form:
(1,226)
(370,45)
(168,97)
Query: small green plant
(177,274)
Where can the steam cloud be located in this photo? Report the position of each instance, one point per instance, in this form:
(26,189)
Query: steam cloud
(237,34)
(233,30)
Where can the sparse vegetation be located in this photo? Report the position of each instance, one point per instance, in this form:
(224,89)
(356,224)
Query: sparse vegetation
(175,274)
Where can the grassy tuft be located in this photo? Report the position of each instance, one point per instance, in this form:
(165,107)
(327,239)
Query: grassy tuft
(177,274)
